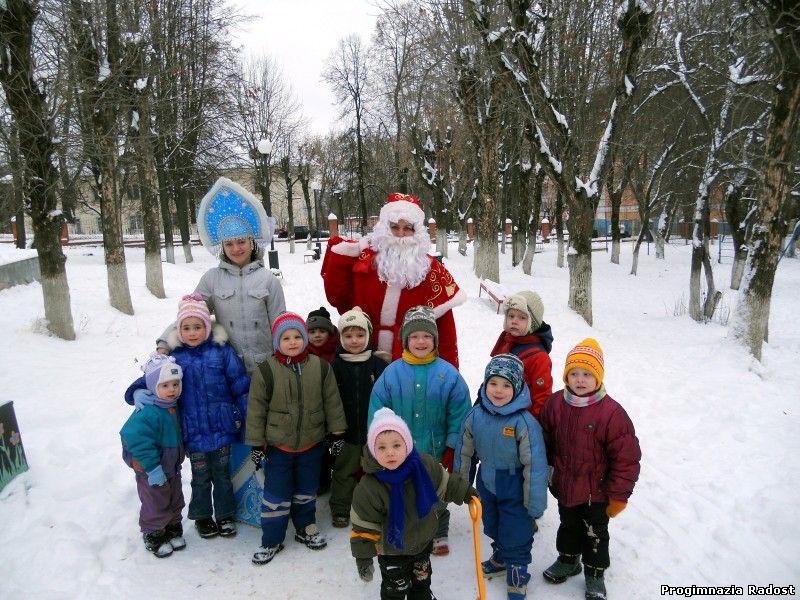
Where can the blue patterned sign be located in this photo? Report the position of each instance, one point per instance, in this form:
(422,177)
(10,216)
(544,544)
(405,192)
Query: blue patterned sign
(248,485)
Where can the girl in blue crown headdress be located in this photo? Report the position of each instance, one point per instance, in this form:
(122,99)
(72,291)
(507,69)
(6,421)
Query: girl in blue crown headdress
(244,296)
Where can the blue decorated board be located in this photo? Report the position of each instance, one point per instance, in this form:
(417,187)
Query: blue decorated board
(248,485)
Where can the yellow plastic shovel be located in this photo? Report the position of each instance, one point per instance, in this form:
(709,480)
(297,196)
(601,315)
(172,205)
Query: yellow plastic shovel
(475,511)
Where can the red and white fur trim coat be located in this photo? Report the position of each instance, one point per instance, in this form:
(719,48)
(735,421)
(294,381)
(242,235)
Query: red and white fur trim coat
(351,279)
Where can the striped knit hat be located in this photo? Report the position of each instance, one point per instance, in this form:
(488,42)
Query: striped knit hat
(589,356)
(286,321)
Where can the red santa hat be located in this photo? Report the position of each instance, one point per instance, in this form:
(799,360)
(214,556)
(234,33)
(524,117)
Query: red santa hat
(403,206)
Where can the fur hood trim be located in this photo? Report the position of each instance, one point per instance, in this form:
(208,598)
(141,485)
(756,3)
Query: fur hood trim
(218,335)
(350,247)
(456,300)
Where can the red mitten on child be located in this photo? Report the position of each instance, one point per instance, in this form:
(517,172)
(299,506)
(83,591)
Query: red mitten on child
(448,458)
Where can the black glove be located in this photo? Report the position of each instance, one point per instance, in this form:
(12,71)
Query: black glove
(365,569)
(335,444)
(257,455)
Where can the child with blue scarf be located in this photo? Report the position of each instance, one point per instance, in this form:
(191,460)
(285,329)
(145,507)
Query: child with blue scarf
(393,513)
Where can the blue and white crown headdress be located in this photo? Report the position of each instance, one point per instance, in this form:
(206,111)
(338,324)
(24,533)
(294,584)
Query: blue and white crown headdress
(228,211)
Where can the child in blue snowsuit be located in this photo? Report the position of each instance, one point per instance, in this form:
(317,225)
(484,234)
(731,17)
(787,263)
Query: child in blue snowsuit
(512,476)
(151,446)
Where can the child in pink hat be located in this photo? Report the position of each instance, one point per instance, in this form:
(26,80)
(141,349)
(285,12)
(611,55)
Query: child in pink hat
(396,521)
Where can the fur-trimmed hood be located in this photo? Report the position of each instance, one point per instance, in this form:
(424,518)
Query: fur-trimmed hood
(218,336)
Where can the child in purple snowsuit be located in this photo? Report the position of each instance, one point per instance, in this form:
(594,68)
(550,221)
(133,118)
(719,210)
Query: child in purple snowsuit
(152,447)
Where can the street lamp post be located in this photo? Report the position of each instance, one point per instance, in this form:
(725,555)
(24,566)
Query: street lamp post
(318,248)
(264,148)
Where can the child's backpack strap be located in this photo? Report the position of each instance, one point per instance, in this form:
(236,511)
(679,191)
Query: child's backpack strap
(266,373)
(325,367)
(523,351)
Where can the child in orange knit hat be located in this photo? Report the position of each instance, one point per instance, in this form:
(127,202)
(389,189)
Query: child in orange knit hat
(593,450)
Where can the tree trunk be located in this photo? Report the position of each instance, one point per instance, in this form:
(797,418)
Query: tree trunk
(560,230)
(636,247)
(487,256)
(534,222)
(182,206)
(580,258)
(28,103)
(441,241)
(616,201)
(118,290)
(16,165)
(751,317)
(142,139)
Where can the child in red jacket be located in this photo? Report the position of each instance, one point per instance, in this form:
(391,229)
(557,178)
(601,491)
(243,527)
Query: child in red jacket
(529,338)
(593,450)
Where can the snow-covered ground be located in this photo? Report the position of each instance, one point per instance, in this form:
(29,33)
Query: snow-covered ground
(718,430)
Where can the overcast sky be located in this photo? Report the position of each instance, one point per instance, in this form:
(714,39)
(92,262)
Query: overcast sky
(300,34)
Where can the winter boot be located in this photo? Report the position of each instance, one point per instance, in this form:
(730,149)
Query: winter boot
(517,578)
(595,584)
(264,554)
(226,527)
(175,536)
(157,543)
(493,567)
(311,537)
(206,528)
(565,567)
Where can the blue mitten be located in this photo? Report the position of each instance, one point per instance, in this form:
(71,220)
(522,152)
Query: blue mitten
(156,477)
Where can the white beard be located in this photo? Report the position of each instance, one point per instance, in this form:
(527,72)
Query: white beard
(401,262)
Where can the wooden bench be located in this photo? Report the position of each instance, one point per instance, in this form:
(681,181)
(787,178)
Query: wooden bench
(309,256)
(493,294)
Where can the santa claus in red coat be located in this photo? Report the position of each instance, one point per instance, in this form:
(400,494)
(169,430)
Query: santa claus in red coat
(391,271)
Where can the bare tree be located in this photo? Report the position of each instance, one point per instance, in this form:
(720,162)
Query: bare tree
(27,102)
(751,316)
(10,138)
(266,108)
(347,73)
(517,48)
(95,51)
(139,87)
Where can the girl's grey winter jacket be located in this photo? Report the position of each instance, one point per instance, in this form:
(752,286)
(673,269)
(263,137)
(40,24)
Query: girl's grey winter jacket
(245,301)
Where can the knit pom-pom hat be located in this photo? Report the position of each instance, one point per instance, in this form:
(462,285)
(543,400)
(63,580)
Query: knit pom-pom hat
(320,319)
(589,356)
(160,368)
(419,318)
(193,305)
(286,321)
(355,317)
(510,368)
(385,419)
(531,304)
